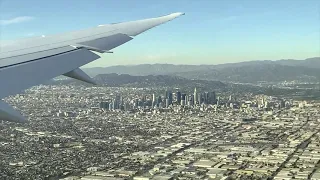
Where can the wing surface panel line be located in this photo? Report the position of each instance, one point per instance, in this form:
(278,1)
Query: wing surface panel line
(37,59)
(61,42)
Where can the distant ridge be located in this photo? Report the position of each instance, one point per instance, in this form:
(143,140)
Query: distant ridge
(116,80)
(163,69)
(248,71)
(144,69)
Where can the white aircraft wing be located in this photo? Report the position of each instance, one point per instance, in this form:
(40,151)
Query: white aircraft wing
(28,62)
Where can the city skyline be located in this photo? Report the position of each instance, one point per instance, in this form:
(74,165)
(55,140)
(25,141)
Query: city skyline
(72,135)
(212,32)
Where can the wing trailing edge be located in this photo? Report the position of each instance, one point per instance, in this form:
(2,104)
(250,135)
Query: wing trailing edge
(15,79)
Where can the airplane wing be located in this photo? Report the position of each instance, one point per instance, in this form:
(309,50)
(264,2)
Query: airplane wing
(28,62)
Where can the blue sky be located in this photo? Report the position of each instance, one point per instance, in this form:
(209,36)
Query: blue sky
(211,32)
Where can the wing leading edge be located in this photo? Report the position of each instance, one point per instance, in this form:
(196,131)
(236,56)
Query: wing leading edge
(29,62)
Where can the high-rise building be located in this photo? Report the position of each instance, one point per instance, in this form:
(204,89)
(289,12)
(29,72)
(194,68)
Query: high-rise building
(178,97)
(170,98)
(154,101)
(159,101)
(195,96)
(121,101)
(206,98)
(183,102)
(166,94)
(167,103)
(153,98)
(183,97)
(212,98)
(114,105)
(191,101)
(200,98)
(110,106)
(117,102)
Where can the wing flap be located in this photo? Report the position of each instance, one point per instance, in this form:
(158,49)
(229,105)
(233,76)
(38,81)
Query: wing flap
(80,75)
(14,60)
(16,78)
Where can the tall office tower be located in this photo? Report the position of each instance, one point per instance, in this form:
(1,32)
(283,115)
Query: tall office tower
(178,97)
(195,96)
(153,98)
(183,102)
(114,105)
(209,97)
(262,101)
(206,98)
(183,96)
(106,105)
(230,98)
(170,97)
(231,105)
(191,101)
(166,94)
(213,97)
(187,98)
(167,103)
(159,100)
(282,103)
(110,106)
(121,101)
(200,98)
(218,101)
(154,101)
(117,102)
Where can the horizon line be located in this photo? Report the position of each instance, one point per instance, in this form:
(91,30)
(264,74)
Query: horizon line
(130,65)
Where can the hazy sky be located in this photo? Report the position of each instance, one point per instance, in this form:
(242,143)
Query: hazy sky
(211,32)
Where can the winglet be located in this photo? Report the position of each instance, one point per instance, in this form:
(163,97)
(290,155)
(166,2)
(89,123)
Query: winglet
(80,75)
(9,114)
(134,28)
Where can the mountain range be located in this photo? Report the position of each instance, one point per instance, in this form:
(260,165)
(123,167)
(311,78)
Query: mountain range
(248,71)
(116,80)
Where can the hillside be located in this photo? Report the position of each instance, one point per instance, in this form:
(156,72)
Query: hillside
(256,72)
(249,71)
(146,81)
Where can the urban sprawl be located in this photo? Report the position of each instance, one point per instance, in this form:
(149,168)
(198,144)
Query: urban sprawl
(110,133)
